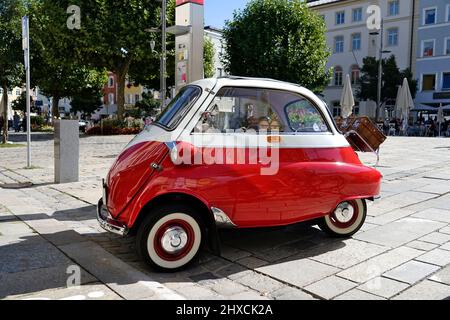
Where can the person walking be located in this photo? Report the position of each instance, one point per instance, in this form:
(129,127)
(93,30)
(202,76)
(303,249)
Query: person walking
(24,122)
(16,122)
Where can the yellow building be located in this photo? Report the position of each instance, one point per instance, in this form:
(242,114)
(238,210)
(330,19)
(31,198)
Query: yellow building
(133,94)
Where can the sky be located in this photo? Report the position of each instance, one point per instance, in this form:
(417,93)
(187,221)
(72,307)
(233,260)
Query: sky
(217,11)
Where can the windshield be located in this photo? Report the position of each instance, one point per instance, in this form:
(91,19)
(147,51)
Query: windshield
(178,107)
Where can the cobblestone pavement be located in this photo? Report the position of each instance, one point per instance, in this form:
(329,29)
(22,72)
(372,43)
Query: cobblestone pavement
(402,252)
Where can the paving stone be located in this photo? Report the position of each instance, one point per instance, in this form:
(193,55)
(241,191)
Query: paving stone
(233,254)
(445,230)
(383,287)
(352,252)
(420,245)
(378,265)
(436,238)
(399,232)
(289,293)
(411,272)
(39,279)
(29,255)
(120,277)
(437,256)
(330,287)
(391,216)
(310,271)
(197,292)
(426,290)
(442,276)
(434,214)
(248,295)
(260,283)
(83,292)
(356,294)
(446,246)
(226,287)
(252,262)
(15,228)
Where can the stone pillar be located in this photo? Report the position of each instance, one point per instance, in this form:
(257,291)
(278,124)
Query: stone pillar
(67,151)
(189,47)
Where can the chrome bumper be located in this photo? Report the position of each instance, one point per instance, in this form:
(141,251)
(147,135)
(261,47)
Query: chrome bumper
(107,222)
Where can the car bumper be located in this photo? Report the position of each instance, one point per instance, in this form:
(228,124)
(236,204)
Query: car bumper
(107,222)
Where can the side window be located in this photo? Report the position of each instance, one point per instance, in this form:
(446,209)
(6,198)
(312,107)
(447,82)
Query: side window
(303,116)
(242,110)
(262,111)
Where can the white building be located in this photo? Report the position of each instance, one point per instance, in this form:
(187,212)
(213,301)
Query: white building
(215,35)
(350,41)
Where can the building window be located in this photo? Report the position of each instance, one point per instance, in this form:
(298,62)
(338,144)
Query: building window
(447,46)
(338,76)
(393,37)
(339,44)
(137,98)
(428,82)
(340,17)
(448,13)
(429,16)
(355,74)
(428,48)
(336,109)
(446,81)
(394,8)
(220,71)
(357,15)
(356,41)
(17,92)
(111,82)
(1,91)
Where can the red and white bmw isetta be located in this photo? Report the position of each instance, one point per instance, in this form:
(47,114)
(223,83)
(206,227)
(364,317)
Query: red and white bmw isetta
(234,152)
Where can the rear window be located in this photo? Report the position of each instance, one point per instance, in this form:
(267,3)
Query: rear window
(178,107)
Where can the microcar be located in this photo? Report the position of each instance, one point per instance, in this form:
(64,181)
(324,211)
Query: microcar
(234,152)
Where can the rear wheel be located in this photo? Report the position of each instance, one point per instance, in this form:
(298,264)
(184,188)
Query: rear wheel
(170,237)
(346,219)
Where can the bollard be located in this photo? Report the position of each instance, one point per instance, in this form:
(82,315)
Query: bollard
(67,151)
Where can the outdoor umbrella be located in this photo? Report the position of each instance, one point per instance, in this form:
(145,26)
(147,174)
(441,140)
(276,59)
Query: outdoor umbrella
(440,117)
(347,100)
(405,103)
(397,100)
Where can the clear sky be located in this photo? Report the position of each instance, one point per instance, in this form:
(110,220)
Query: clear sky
(217,11)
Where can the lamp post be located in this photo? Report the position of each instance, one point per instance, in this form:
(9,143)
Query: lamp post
(163,52)
(380,67)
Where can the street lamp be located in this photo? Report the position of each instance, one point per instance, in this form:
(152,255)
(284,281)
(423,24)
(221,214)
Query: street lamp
(163,51)
(380,67)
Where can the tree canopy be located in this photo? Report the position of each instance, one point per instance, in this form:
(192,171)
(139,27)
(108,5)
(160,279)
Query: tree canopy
(280,39)
(392,78)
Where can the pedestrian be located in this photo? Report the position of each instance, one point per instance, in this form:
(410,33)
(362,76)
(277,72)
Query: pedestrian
(24,122)
(16,122)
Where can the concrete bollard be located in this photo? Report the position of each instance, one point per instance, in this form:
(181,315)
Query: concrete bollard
(67,151)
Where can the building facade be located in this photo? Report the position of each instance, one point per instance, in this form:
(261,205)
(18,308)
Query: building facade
(216,37)
(350,41)
(433,54)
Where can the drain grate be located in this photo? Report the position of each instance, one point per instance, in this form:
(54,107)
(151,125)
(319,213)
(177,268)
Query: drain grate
(16,185)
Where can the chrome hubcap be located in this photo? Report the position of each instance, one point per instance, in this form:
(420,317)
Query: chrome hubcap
(344,212)
(174,240)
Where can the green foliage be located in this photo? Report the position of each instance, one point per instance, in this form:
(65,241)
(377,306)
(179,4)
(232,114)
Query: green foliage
(208,58)
(392,78)
(279,39)
(11,55)
(147,105)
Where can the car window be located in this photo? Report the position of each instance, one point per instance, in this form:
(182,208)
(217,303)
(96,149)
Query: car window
(259,110)
(303,116)
(178,107)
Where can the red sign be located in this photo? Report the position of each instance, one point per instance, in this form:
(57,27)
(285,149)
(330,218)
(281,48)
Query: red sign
(180,2)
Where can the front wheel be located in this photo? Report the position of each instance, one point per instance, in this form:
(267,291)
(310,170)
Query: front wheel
(170,237)
(346,219)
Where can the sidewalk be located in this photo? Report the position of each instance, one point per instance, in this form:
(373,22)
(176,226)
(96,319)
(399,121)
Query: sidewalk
(403,251)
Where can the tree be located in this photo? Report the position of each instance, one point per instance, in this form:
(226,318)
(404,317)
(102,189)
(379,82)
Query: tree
(147,104)
(279,39)
(21,103)
(391,79)
(11,56)
(208,58)
(58,66)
